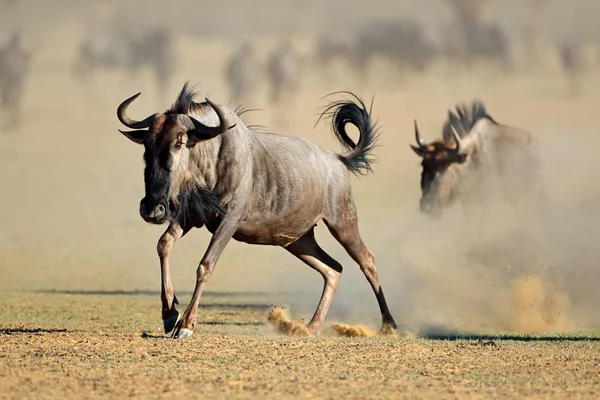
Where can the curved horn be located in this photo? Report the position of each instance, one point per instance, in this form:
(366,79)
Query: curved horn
(128,122)
(457,139)
(418,138)
(210,131)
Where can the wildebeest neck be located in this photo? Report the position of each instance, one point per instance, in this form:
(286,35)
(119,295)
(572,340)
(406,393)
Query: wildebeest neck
(196,201)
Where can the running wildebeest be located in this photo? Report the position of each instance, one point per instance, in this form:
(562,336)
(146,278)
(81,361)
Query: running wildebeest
(153,48)
(205,167)
(243,74)
(476,156)
(14,70)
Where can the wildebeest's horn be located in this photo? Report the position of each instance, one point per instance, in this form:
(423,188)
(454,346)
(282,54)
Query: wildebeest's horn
(457,139)
(128,122)
(420,141)
(210,131)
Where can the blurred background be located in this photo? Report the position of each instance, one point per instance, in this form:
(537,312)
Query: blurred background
(72,184)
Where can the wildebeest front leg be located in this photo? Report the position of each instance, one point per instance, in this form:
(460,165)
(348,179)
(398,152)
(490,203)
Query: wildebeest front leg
(221,237)
(307,249)
(165,244)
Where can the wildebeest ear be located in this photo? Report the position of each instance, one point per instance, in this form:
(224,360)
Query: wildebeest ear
(460,158)
(136,136)
(420,152)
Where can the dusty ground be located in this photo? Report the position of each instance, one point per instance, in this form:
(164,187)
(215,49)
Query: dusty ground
(79,311)
(109,346)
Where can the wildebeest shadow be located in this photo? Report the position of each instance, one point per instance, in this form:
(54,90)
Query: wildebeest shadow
(151,293)
(454,336)
(204,303)
(146,335)
(217,323)
(11,331)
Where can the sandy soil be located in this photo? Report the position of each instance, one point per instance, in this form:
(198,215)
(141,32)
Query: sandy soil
(72,184)
(109,346)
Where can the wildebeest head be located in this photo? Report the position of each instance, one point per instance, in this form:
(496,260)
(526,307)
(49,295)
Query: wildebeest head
(169,139)
(438,178)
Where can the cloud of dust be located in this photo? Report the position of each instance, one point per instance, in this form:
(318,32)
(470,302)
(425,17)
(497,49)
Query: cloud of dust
(279,318)
(504,274)
(283,324)
(352,330)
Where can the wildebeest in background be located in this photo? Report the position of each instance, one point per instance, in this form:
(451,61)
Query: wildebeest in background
(471,38)
(532,30)
(476,157)
(402,42)
(331,47)
(283,72)
(14,71)
(243,74)
(130,51)
(468,44)
(204,166)
(573,63)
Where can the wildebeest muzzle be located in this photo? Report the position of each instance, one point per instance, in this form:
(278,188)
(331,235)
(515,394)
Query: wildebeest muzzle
(154,212)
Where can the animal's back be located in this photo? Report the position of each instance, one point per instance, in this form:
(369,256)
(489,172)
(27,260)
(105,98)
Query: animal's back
(286,172)
(517,149)
(293,160)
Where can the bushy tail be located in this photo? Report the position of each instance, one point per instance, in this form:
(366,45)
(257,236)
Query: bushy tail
(358,158)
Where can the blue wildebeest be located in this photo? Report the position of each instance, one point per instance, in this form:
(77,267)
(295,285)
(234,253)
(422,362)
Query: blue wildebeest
(330,47)
(243,74)
(14,70)
(470,43)
(573,62)
(204,167)
(284,72)
(151,48)
(475,157)
(402,42)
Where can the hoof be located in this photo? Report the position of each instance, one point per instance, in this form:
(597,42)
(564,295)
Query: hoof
(182,333)
(169,323)
(388,329)
(313,330)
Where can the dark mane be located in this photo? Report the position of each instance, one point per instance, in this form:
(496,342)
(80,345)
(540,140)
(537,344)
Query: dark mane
(464,119)
(185,101)
(243,109)
(197,206)
(185,104)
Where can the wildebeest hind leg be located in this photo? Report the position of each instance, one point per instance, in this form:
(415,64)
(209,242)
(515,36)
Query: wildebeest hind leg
(308,250)
(349,237)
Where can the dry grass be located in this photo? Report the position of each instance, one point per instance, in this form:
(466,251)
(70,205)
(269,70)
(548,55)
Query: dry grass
(110,346)
(72,186)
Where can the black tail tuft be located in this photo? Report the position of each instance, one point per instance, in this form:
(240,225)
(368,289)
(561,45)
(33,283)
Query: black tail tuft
(358,158)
